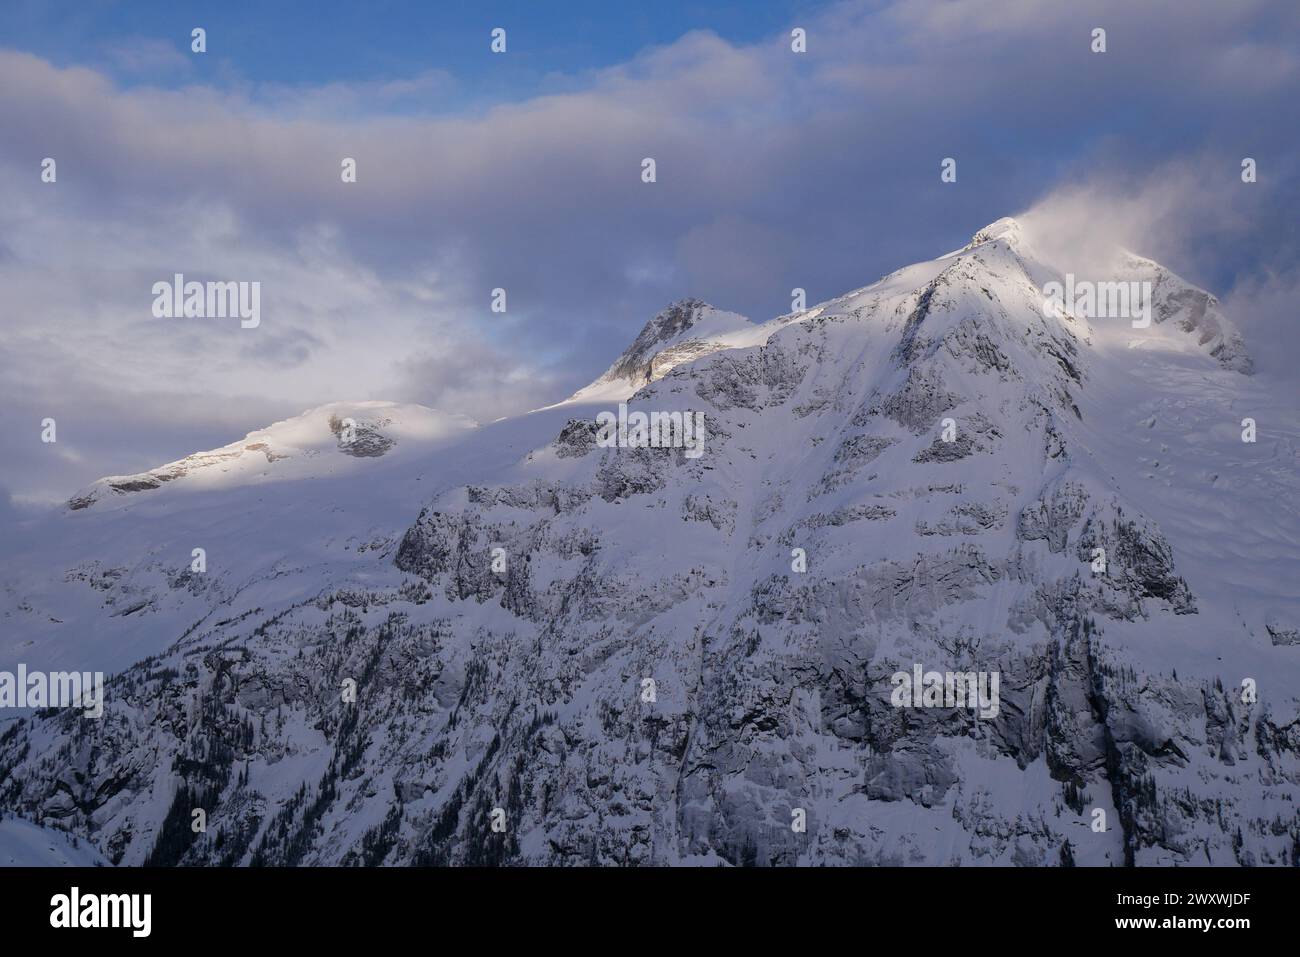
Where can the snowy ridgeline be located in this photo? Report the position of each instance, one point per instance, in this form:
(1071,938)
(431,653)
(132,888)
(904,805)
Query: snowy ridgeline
(376,634)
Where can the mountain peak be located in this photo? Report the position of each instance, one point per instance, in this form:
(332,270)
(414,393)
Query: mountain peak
(686,329)
(690,328)
(671,323)
(1006,228)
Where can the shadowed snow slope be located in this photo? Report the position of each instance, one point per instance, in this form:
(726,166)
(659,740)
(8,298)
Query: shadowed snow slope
(620,648)
(23,844)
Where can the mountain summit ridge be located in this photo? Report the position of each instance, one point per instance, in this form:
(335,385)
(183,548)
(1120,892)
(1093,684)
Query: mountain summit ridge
(690,328)
(674,335)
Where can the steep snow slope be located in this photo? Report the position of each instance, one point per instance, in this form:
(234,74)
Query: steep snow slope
(108,581)
(23,844)
(649,677)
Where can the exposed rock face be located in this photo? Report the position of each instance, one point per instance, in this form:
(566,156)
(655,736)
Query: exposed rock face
(637,363)
(688,329)
(1283,634)
(630,656)
(1194,311)
(363,440)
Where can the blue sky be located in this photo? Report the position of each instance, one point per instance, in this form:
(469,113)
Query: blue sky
(314,43)
(775,170)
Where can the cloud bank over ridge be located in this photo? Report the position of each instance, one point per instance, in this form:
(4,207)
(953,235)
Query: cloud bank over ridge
(775,170)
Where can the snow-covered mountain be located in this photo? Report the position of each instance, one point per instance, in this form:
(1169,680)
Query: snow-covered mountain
(569,653)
